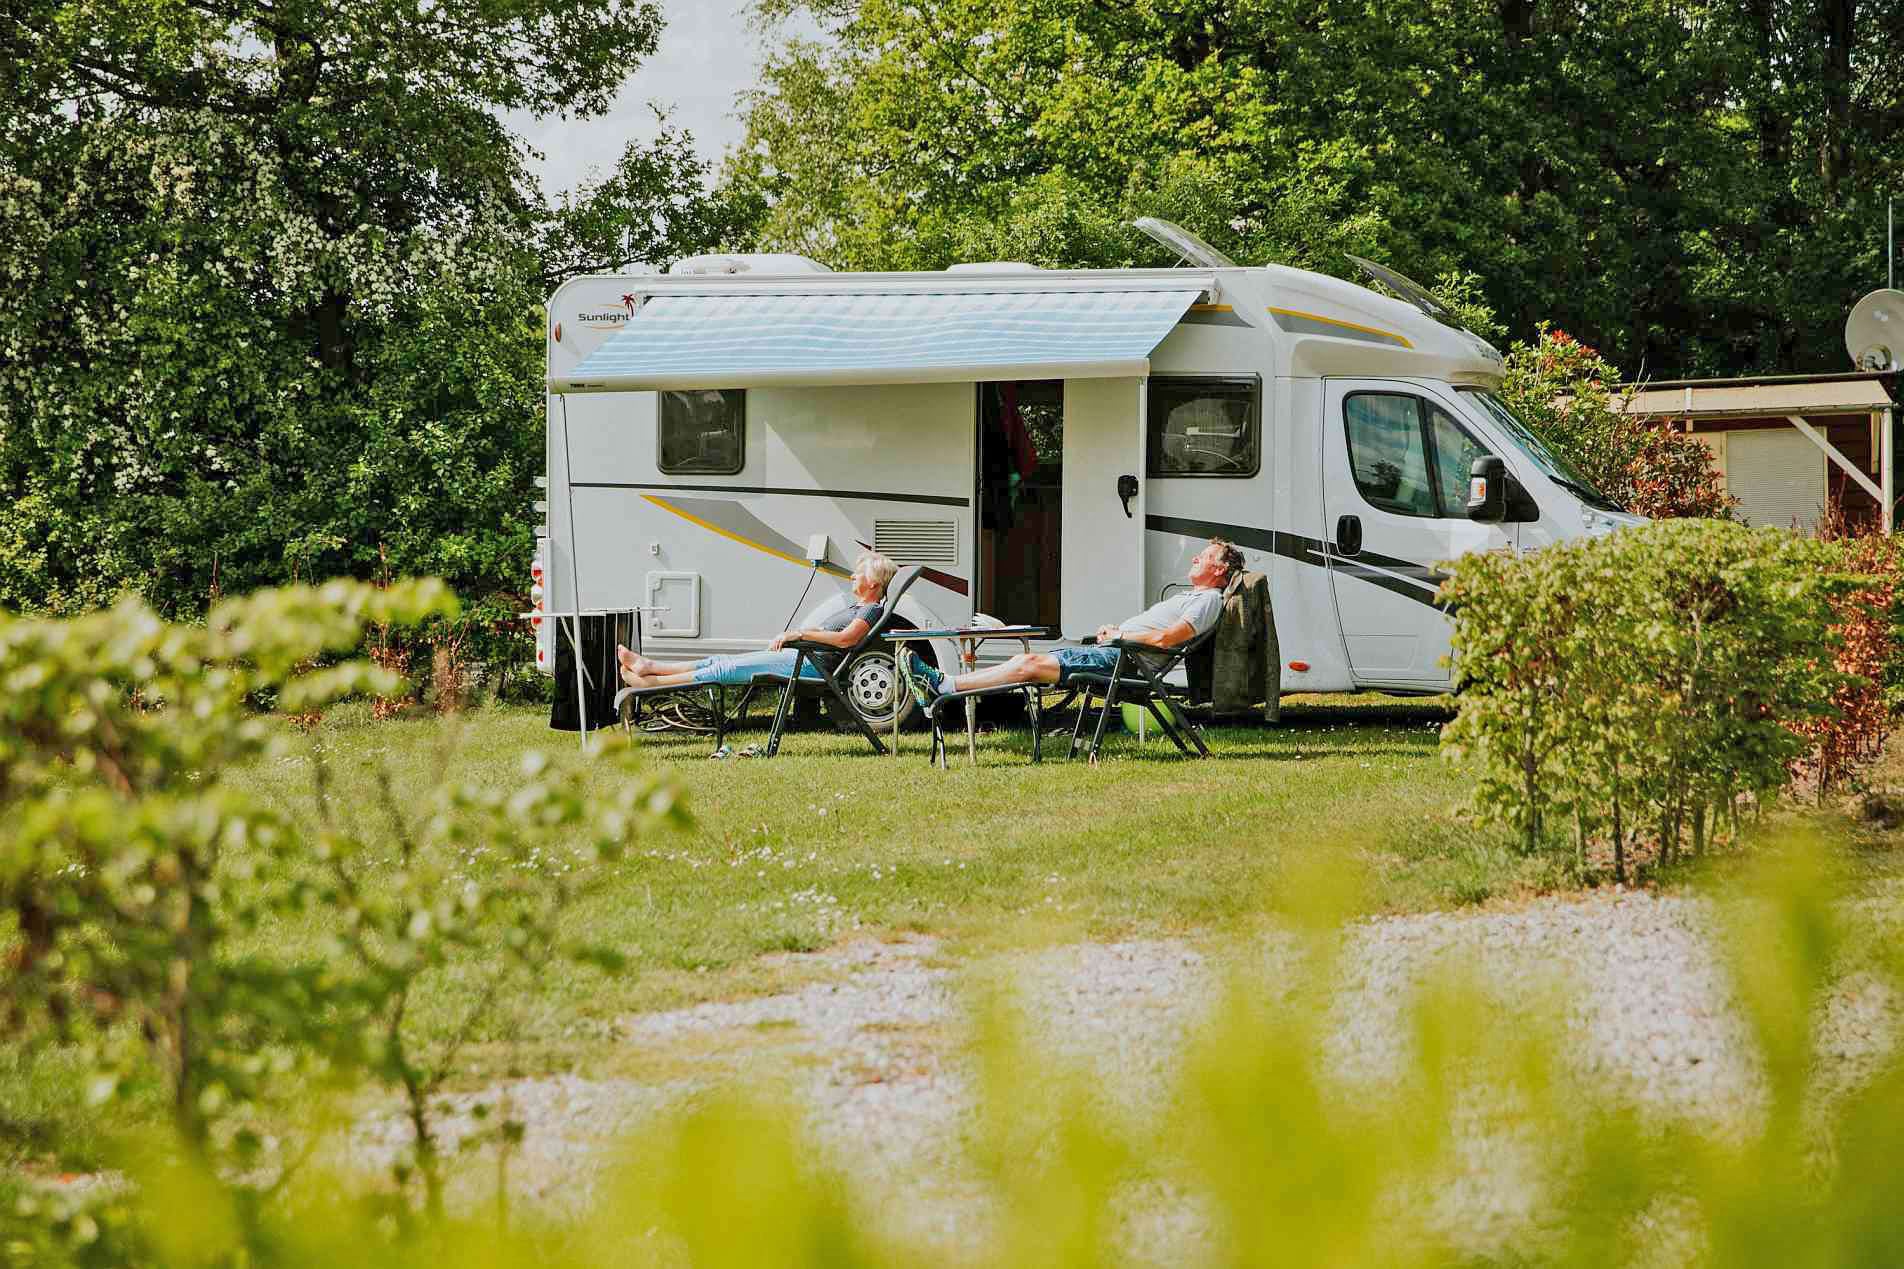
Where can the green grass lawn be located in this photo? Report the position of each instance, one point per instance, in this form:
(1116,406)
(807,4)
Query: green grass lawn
(828,842)
(798,852)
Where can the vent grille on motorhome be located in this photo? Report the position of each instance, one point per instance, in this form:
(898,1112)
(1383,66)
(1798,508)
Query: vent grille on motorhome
(917,541)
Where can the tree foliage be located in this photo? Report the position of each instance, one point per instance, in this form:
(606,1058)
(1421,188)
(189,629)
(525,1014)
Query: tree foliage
(275,276)
(1696,188)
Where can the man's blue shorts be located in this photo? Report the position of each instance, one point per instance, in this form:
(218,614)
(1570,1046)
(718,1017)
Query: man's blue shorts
(1092,660)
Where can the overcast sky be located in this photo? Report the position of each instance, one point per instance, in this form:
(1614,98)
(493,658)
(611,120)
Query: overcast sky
(708,57)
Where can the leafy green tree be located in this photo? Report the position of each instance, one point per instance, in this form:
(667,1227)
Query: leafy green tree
(1692,188)
(275,275)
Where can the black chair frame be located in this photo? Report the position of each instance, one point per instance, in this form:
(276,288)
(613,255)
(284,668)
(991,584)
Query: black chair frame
(628,703)
(810,653)
(1034,705)
(1137,678)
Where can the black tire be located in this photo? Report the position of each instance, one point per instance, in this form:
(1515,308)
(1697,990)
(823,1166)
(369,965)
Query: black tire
(872,684)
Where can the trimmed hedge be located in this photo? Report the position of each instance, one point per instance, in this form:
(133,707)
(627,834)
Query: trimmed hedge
(1648,678)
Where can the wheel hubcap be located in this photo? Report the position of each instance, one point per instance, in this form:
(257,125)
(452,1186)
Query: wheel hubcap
(874,686)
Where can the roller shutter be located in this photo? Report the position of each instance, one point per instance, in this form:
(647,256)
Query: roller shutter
(1778,476)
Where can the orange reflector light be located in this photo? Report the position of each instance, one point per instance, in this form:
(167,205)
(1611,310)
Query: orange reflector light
(1299,666)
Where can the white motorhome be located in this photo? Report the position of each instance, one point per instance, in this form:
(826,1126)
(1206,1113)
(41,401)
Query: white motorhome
(1053,446)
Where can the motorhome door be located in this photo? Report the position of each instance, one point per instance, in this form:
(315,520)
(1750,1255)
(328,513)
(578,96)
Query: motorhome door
(1396,458)
(1103,503)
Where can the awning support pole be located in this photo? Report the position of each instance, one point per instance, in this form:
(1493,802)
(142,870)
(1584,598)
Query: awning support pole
(575,576)
(1849,468)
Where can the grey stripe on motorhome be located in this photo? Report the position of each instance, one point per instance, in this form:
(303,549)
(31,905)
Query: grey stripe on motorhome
(1401,577)
(858,494)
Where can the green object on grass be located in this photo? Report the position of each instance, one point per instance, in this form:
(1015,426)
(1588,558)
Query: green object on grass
(1138,715)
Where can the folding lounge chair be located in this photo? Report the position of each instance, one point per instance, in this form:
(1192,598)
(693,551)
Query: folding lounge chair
(1137,678)
(1034,703)
(829,679)
(804,650)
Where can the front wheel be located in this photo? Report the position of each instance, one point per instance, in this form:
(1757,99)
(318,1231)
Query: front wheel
(873,686)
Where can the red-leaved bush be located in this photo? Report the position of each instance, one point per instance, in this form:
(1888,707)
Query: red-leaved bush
(1866,648)
(1565,391)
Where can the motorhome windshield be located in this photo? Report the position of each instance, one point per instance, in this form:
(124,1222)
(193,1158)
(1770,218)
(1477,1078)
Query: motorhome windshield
(1554,466)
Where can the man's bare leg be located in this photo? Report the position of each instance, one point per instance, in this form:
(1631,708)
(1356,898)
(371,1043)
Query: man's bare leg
(1026,667)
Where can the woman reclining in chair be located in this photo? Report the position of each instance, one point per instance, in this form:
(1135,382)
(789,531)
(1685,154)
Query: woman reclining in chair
(871,575)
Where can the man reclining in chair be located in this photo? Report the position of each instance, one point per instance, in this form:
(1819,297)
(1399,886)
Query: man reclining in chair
(871,575)
(1165,624)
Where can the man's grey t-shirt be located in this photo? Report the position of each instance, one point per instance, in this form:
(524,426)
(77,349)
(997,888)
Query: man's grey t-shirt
(1200,607)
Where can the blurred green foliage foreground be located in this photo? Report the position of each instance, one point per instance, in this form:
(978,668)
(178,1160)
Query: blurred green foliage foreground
(134,871)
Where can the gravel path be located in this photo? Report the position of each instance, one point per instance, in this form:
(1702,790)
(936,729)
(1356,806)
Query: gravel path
(877,1057)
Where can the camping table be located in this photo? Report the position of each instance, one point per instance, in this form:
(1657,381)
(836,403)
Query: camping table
(968,637)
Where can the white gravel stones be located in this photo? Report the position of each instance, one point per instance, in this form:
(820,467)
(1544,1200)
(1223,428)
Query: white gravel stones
(1648,1011)
(1648,1014)
(570,1124)
(891,986)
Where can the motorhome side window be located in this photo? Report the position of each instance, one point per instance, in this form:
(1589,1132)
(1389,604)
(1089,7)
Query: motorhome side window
(702,433)
(1409,456)
(1205,427)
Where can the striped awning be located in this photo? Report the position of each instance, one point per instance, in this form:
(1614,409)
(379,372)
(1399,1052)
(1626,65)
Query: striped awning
(737,341)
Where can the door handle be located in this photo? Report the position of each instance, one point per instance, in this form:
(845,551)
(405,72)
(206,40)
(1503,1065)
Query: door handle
(1127,489)
(1348,535)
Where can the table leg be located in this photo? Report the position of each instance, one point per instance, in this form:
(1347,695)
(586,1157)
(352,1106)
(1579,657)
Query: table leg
(1034,707)
(902,686)
(968,660)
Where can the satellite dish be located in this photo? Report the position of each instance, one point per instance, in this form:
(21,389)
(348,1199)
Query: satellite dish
(1874,333)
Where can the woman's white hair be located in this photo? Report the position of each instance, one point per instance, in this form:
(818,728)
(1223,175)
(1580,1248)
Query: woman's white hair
(877,566)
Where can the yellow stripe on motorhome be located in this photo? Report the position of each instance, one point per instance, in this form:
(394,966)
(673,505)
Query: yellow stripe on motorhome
(691,518)
(1212,308)
(1336,321)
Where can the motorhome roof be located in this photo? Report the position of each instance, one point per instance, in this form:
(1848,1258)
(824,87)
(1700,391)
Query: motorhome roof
(1329,326)
(901,283)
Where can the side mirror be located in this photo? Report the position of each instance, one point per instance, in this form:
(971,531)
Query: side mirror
(1487,489)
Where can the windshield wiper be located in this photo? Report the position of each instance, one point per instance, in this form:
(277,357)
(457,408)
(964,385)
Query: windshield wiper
(1591,497)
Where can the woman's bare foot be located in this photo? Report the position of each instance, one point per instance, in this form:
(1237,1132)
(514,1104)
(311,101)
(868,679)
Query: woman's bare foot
(632,662)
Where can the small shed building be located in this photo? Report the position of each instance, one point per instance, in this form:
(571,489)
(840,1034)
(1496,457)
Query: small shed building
(1790,446)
